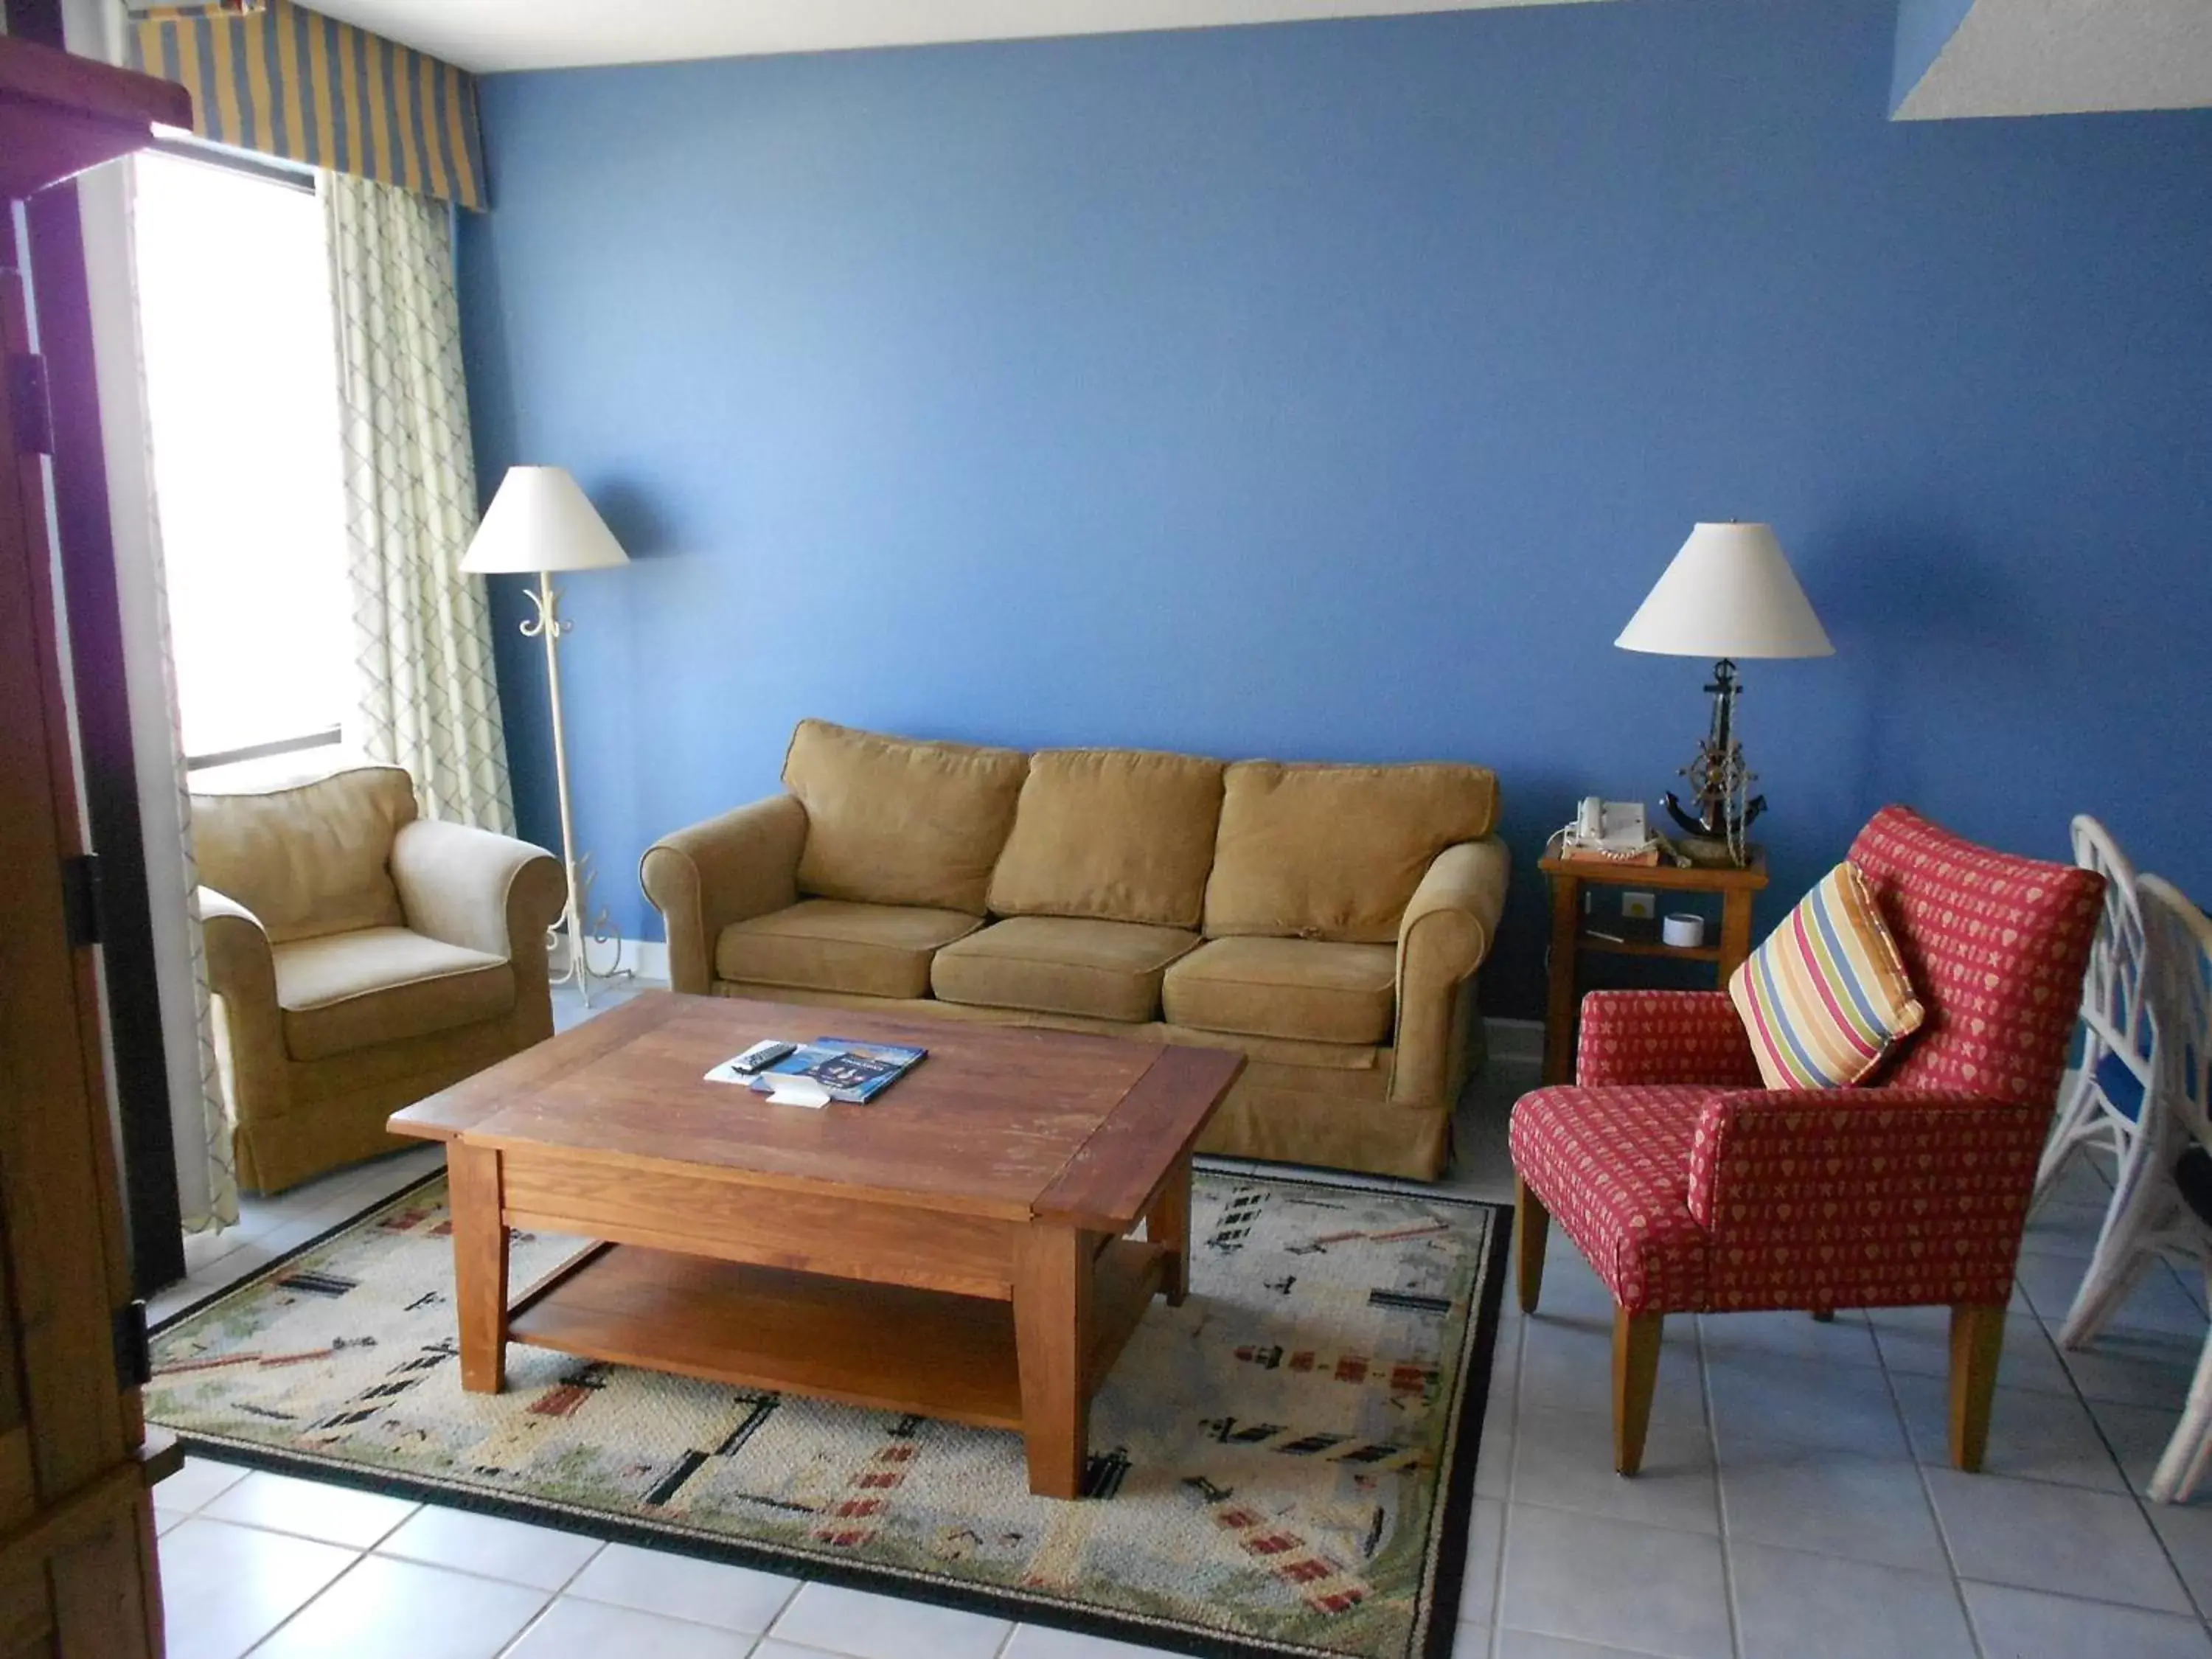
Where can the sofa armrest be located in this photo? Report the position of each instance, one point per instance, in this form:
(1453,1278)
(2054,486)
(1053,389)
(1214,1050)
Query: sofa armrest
(1663,1037)
(1895,1195)
(1443,939)
(473,888)
(741,865)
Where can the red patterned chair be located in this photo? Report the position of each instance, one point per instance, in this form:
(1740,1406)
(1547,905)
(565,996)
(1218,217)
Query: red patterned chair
(1692,1188)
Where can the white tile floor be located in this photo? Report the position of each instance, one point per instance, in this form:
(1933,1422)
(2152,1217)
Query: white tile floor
(1795,1503)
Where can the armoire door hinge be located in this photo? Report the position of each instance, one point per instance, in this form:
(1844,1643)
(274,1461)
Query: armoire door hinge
(134,1353)
(81,899)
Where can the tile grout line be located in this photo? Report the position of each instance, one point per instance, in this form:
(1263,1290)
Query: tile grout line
(1720,1503)
(2142,1501)
(1935,1514)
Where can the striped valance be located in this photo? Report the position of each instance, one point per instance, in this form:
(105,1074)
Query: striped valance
(292,82)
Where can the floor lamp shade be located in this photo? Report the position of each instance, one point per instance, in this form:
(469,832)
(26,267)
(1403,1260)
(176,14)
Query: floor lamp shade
(540,521)
(1730,593)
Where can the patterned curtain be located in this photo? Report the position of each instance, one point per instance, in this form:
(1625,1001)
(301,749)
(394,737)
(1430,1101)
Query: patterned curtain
(422,630)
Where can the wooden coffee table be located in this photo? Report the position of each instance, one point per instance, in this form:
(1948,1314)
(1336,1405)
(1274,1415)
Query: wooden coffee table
(957,1247)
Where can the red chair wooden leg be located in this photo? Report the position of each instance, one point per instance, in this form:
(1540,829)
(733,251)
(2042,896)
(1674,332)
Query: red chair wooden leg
(1635,1373)
(1977,1342)
(1532,1225)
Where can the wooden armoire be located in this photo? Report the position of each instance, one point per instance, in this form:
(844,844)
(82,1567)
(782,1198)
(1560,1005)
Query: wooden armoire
(78,1571)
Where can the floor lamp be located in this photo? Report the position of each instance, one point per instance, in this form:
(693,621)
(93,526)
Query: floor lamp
(541,522)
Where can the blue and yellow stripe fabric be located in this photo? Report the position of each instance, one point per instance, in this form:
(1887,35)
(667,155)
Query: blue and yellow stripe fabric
(1826,996)
(289,81)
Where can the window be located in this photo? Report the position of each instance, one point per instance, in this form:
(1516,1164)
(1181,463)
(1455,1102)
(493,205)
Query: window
(242,379)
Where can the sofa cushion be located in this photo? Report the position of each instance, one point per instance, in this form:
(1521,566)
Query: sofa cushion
(311,860)
(894,821)
(1061,965)
(1124,835)
(340,991)
(1321,991)
(830,945)
(1335,852)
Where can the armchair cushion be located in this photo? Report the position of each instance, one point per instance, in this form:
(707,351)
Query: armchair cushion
(1061,965)
(341,991)
(1826,998)
(897,821)
(1123,835)
(311,860)
(1335,852)
(828,944)
(1613,1166)
(1284,987)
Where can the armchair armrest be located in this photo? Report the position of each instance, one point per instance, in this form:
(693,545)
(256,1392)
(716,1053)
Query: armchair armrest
(475,889)
(1887,1196)
(1443,939)
(732,868)
(249,1024)
(240,964)
(1663,1036)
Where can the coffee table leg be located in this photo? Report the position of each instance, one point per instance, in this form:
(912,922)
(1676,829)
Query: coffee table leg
(1052,1336)
(479,1265)
(1167,1222)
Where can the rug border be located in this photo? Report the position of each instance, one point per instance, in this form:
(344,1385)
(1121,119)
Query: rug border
(1434,1632)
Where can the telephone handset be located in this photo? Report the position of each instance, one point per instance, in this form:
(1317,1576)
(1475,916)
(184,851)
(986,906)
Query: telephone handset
(1611,826)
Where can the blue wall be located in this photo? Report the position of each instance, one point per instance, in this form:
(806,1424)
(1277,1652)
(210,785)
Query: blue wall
(1337,390)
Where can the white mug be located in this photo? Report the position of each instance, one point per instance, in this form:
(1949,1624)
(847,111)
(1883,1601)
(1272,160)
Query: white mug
(1683,931)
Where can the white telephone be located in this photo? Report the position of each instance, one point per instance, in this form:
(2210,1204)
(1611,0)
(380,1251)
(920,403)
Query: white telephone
(1610,826)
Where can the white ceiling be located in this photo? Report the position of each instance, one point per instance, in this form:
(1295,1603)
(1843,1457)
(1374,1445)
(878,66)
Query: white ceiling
(2064,57)
(487,35)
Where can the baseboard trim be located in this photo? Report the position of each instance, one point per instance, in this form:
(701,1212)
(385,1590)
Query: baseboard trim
(1511,1041)
(1515,1042)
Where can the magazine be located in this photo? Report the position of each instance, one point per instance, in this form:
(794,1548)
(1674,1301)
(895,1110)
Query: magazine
(854,1072)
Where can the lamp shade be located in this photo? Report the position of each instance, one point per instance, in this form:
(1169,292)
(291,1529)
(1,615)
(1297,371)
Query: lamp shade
(540,521)
(1730,593)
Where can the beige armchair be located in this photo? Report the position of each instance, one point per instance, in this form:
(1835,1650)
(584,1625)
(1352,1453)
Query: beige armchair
(360,958)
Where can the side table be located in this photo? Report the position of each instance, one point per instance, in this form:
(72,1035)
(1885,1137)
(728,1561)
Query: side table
(1571,941)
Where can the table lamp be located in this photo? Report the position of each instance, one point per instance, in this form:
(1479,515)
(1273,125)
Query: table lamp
(540,522)
(1728,593)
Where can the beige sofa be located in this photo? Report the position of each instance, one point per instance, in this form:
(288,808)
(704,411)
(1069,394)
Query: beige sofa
(360,958)
(1325,920)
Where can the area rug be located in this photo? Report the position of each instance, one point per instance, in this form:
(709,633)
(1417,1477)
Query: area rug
(1283,1464)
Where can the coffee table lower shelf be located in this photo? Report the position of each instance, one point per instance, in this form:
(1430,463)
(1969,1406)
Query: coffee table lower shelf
(885,1347)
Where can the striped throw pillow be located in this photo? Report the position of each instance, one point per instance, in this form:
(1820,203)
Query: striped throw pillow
(1826,996)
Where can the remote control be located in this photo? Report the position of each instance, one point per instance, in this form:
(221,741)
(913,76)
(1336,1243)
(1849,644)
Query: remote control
(760,1057)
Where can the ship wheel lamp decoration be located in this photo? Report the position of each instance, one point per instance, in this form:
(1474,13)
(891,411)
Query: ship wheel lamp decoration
(540,522)
(1729,594)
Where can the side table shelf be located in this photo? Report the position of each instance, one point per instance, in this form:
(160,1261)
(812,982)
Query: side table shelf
(1572,940)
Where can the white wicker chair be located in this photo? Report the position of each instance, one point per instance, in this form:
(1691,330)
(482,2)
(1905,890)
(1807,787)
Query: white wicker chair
(2116,1038)
(2149,1219)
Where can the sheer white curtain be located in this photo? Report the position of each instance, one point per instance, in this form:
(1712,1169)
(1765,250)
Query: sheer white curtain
(422,630)
(207,1182)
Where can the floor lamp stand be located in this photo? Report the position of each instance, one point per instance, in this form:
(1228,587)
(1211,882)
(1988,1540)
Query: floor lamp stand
(584,929)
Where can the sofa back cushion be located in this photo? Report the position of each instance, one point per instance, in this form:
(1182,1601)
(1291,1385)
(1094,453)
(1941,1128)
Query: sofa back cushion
(1120,835)
(1335,852)
(312,860)
(895,821)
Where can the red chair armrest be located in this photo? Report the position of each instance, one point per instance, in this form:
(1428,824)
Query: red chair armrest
(1663,1036)
(1863,1197)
